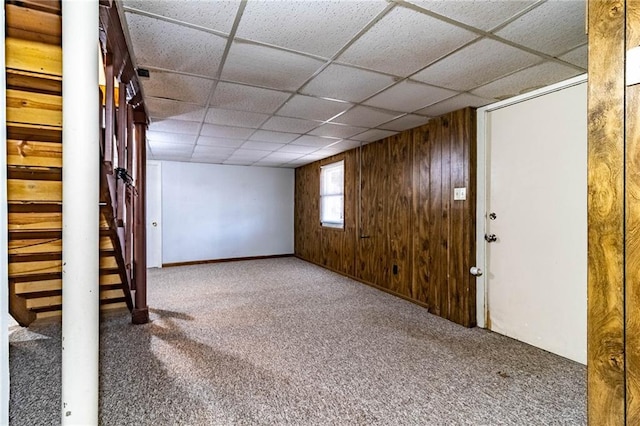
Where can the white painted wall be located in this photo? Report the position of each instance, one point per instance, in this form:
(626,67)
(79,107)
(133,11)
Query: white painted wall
(212,211)
(536,183)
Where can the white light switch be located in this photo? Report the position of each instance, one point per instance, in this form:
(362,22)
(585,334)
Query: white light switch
(459,194)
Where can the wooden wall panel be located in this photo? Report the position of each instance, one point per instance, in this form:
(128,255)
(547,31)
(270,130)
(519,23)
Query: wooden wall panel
(632,240)
(407,216)
(399,217)
(605,324)
(371,254)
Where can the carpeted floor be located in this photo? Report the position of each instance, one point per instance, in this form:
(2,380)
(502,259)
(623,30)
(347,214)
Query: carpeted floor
(285,342)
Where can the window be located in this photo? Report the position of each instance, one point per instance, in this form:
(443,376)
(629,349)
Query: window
(332,195)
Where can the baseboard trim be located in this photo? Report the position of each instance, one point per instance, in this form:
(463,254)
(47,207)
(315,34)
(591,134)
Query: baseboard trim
(228,259)
(377,287)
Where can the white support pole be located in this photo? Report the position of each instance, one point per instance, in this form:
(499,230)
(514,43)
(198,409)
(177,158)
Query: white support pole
(80,212)
(4,285)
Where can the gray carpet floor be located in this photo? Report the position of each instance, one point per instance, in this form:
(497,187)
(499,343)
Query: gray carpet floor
(282,341)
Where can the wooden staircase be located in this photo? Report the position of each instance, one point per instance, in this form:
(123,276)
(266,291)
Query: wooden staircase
(34,171)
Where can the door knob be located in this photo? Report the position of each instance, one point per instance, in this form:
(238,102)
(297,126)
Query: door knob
(490,238)
(475,271)
(154,223)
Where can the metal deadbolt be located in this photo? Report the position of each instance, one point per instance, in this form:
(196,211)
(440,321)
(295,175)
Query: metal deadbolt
(490,238)
(154,223)
(493,216)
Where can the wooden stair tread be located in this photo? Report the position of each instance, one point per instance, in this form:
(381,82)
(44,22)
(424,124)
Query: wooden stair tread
(33,108)
(34,153)
(32,24)
(35,57)
(22,288)
(34,132)
(58,307)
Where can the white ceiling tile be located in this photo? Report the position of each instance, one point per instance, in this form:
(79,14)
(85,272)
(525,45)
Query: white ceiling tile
(300,149)
(345,145)
(577,56)
(220,142)
(162,44)
(217,131)
(554,27)
(174,126)
(177,87)
(316,27)
(409,96)
(282,156)
(170,137)
(404,41)
(165,108)
(365,117)
(264,146)
(212,14)
(288,124)
(267,163)
(373,135)
(247,98)
(475,65)
(228,117)
(208,159)
(249,154)
(267,67)
(316,141)
(483,14)
(172,157)
(337,130)
(170,148)
(202,150)
(269,136)
(238,162)
(526,81)
(318,155)
(409,121)
(347,83)
(312,108)
(453,104)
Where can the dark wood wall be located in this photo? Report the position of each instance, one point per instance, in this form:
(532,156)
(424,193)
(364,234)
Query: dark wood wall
(403,231)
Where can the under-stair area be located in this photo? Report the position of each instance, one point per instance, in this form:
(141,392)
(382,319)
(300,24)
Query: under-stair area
(34,172)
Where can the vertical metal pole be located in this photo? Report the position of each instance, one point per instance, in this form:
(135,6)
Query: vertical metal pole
(4,285)
(140,313)
(80,215)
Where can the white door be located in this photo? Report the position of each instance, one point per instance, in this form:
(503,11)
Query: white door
(537,210)
(154,214)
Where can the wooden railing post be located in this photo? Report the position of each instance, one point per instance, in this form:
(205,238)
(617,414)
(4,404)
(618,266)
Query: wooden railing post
(109,112)
(140,314)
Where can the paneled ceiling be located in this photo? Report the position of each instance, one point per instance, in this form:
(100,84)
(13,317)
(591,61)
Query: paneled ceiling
(285,83)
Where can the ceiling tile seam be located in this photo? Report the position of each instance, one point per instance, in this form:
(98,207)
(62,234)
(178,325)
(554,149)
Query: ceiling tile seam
(175,21)
(349,43)
(173,100)
(223,59)
(359,34)
(517,15)
(487,34)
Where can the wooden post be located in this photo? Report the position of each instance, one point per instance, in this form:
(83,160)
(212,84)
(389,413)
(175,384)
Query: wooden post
(128,240)
(613,364)
(109,112)
(122,135)
(140,314)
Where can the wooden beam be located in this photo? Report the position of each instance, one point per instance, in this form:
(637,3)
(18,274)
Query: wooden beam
(605,334)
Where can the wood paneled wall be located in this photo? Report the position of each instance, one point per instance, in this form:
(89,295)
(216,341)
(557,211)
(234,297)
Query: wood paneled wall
(403,232)
(613,321)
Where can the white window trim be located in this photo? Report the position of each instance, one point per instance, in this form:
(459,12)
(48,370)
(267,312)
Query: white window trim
(326,224)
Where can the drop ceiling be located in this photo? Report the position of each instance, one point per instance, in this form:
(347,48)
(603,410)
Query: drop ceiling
(285,83)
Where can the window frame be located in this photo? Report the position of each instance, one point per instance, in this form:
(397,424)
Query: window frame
(325,195)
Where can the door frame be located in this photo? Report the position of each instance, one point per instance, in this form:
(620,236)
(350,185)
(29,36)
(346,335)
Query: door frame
(158,194)
(481,184)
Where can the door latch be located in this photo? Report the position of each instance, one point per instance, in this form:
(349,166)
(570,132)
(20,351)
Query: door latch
(490,238)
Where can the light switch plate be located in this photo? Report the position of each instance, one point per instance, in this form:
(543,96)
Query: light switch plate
(459,194)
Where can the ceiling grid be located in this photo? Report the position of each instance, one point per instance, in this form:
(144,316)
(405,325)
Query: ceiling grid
(287,82)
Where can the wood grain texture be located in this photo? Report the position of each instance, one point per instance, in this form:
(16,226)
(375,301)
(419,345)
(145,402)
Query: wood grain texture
(605,334)
(407,216)
(34,25)
(399,198)
(372,257)
(41,58)
(34,108)
(632,231)
(33,153)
